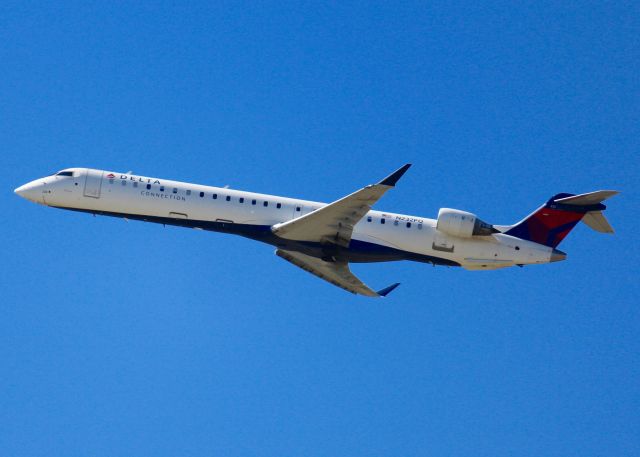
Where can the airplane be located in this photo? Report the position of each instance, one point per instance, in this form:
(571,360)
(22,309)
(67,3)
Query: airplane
(322,238)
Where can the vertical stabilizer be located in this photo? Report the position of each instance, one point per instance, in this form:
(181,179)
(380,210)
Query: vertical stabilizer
(552,222)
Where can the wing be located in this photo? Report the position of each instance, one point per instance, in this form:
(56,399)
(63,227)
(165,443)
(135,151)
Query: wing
(334,223)
(337,273)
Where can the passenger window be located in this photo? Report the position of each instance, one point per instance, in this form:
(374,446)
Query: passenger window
(111,181)
(161,188)
(228,198)
(420,226)
(368,218)
(298,208)
(241,200)
(395,222)
(135,183)
(215,196)
(253,202)
(175,190)
(408,224)
(279,205)
(124,183)
(188,191)
(382,220)
(265,204)
(201,194)
(148,186)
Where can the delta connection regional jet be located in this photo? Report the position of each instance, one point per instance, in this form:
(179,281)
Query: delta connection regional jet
(324,238)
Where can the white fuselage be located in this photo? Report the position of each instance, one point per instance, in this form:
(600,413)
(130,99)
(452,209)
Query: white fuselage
(379,236)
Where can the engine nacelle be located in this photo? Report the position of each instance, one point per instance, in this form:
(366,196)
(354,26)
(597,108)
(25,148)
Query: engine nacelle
(462,224)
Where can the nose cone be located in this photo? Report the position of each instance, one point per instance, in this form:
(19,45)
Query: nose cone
(557,256)
(31,191)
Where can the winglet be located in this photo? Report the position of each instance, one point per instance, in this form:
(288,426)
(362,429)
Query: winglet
(387,290)
(394,177)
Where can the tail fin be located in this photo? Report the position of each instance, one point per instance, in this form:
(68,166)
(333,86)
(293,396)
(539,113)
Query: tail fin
(552,222)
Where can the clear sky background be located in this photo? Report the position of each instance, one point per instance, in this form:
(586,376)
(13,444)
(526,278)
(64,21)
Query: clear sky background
(123,339)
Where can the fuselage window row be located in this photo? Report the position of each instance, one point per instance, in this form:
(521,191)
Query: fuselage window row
(395,223)
(175,190)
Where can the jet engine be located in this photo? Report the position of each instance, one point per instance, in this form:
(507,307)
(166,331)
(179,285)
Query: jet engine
(462,224)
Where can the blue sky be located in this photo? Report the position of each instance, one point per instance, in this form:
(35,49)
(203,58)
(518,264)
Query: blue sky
(124,338)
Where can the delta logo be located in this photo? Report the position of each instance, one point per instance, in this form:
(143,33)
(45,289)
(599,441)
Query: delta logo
(134,178)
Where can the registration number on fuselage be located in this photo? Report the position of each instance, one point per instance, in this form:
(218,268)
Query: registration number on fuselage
(404,218)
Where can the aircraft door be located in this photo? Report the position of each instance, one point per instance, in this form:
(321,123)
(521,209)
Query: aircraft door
(93,183)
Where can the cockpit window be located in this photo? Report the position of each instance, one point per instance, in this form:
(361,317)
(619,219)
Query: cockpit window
(65,173)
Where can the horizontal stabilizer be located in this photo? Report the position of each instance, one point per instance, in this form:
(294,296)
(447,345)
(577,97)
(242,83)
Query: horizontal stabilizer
(594,219)
(592,198)
(597,221)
